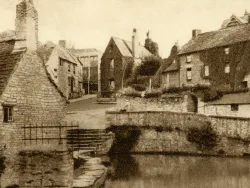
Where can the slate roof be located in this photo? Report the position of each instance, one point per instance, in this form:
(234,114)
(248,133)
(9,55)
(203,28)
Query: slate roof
(125,47)
(46,50)
(8,62)
(172,67)
(7,35)
(236,98)
(84,51)
(222,37)
(243,20)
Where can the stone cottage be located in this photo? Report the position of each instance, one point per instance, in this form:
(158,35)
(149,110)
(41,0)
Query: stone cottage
(28,95)
(91,61)
(119,56)
(64,68)
(234,104)
(217,58)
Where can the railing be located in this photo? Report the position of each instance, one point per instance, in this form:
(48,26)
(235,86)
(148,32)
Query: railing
(36,133)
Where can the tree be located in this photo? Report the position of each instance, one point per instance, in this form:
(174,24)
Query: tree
(151,46)
(149,66)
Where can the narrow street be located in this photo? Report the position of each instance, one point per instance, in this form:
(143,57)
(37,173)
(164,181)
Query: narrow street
(88,113)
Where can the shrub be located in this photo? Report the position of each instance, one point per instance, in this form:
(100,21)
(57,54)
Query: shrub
(138,87)
(130,92)
(205,137)
(153,94)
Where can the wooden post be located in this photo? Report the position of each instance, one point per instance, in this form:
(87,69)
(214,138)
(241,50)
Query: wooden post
(30,133)
(42,132)
(24,134)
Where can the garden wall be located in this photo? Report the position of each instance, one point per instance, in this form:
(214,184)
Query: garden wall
(163,131)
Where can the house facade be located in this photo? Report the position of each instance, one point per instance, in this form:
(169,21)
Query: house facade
(91,61)
(118,61)
(28,95)
(218,59)
(63,67)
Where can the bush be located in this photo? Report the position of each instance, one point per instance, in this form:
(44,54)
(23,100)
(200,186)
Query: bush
(130,92)
(153,94)
(149,66)
(205,137)
(138,87)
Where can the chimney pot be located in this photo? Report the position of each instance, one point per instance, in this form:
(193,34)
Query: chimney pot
(134,43)
(196,32)
(62,43)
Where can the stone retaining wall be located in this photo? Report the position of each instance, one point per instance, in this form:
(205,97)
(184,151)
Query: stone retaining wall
(163,131)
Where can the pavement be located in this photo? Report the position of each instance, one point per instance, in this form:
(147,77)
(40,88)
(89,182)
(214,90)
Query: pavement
(87,113)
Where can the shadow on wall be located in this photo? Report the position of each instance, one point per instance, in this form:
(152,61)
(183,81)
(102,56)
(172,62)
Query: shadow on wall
(125,139)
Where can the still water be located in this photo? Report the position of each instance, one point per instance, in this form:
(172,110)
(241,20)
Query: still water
(158,171)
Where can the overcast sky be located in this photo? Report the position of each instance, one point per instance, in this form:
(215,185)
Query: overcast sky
(91,23)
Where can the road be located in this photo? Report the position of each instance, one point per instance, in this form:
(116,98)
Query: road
(88,114)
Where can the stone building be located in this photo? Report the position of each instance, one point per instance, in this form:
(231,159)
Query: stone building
(217,58)
(64,68)
(28,95)
(91,60)
(119,56)
(235,104)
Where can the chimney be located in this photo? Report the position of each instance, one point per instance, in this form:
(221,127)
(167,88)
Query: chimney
(134,43)
(62,43)
(26,24)
(196,32)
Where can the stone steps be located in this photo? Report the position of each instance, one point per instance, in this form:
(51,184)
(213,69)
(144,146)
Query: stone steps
(87,139)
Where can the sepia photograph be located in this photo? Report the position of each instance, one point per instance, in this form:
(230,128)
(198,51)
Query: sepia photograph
(125,94)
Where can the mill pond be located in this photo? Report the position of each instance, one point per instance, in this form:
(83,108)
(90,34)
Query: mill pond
(136,171)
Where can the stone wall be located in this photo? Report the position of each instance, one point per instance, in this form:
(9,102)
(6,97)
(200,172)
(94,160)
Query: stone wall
(197,67)
(167,131)
(176,104)
(39,169)
(34,99)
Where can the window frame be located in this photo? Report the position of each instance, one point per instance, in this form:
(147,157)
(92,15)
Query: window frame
(227,50)
(234,107)
(227,68)
(206,71)
(69,67)
(9,109)
(189,77)
(60,62)
(74,69)
(189,59)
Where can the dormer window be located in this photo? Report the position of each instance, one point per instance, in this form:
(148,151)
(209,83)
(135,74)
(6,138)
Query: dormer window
(226,51)
(189,59)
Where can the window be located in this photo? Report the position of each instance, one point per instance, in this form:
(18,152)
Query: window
(112,66)
(69,67)
(112,85)
(189,58)
(227,68)
(61,62)
(234,107)
(74,69)
(226,51)
(69,81)
(55,70)
(206,70)
(243,84)
(7,114)
(189,74)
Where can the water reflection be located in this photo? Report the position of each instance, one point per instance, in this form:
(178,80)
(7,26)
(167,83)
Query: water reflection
(158,171)
(37,169)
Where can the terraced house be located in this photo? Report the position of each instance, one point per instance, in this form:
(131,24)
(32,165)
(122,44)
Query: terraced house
(120,56)
(64,68)
(28,95)
(219,59)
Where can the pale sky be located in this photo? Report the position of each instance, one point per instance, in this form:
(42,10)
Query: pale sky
(91,23)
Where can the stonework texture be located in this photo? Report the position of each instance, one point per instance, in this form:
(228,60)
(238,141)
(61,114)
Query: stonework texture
(170,79)
(118,73)
(233,133)
(176,104)
(35,100)
(197,68)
